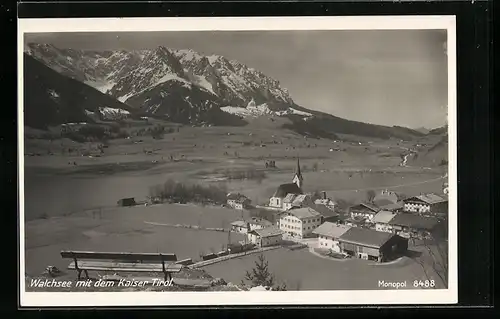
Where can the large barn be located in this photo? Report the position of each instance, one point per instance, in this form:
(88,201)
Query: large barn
(373,245)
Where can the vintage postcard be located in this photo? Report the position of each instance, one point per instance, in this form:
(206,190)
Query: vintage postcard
(275,161)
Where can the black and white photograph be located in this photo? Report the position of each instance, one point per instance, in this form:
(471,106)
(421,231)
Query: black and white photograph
(276,162)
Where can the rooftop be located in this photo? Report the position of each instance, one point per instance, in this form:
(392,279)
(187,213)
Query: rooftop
(239,223)
(259,221)
(253,221)
(414,221)
(236,196)
(368,206)
(267,232)
(428,198)
(285,189)
(331,230)
(304,212)
(383,216)
(324,210)
(289,198)
(391,206)
(300,199)
(366,237)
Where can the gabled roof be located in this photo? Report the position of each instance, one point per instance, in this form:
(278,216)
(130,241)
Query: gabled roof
(331,230)
(285,189)
(366,237)
(427,198)
(324,201)
(371,207)
(253,221)
(383,217)
(300,199)
(303,212)
(324,210)
(414,221)
(267,232)
(259,221)
(289,198)
(235,196)
(239,223)
(392,206)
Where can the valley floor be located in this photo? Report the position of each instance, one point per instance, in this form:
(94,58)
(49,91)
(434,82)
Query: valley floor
(63,192)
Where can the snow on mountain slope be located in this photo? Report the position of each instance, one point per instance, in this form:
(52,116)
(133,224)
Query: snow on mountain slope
(110,113)
(112,72)
(157,67)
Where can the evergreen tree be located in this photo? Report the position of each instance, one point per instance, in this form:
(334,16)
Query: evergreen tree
(260,275)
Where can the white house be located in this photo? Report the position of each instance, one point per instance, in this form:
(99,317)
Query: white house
(237,201)
(363,211)
(264,237)
(329,234)
(245,226)
(382,219)
(299,222)
(295,187)
(430,204)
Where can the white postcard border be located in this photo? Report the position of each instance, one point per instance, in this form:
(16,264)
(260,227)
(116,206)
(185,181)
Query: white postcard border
(332,297)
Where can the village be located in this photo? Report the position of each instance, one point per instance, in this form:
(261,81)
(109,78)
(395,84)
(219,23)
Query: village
(380,229)
(385,229)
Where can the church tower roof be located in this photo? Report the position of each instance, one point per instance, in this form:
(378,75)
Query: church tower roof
(297,170)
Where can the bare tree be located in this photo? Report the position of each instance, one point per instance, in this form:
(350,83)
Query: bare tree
(434,259)
(370,195)
(315,167)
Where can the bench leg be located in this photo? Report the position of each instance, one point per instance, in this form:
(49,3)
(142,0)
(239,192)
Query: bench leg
(79,274)
(86,274)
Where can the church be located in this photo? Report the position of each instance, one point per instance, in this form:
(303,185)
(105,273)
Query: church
(295,187)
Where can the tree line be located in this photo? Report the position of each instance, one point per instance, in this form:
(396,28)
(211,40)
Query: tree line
(181,193)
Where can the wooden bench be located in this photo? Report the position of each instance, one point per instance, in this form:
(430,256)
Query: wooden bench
(125,262)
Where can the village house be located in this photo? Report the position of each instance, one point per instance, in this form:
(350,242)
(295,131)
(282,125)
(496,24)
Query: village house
(392,207)
(445,189)
(329,234)
(427,204)
(372,245)
(385,197)
(324,200)
(264,237)
(127,202)
(297,201)
(245,226)
(327,214)
(382,219)
(237,201)
(415,226)
(300,222)
(363,212)
(295,187)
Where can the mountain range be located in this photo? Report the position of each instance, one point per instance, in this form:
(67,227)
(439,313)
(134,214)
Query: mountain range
(180,86)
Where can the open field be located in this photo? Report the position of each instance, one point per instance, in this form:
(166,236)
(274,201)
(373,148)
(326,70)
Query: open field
(301,270)
(125,229)
(55,186)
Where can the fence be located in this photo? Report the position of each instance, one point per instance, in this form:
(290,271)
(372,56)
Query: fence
(219,259)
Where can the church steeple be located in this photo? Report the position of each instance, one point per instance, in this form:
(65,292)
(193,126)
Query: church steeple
(297,178)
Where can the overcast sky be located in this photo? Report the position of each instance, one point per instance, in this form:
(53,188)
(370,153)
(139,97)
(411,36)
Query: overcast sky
(383,77)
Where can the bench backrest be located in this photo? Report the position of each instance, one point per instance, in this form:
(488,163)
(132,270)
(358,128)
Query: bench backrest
(125,257)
